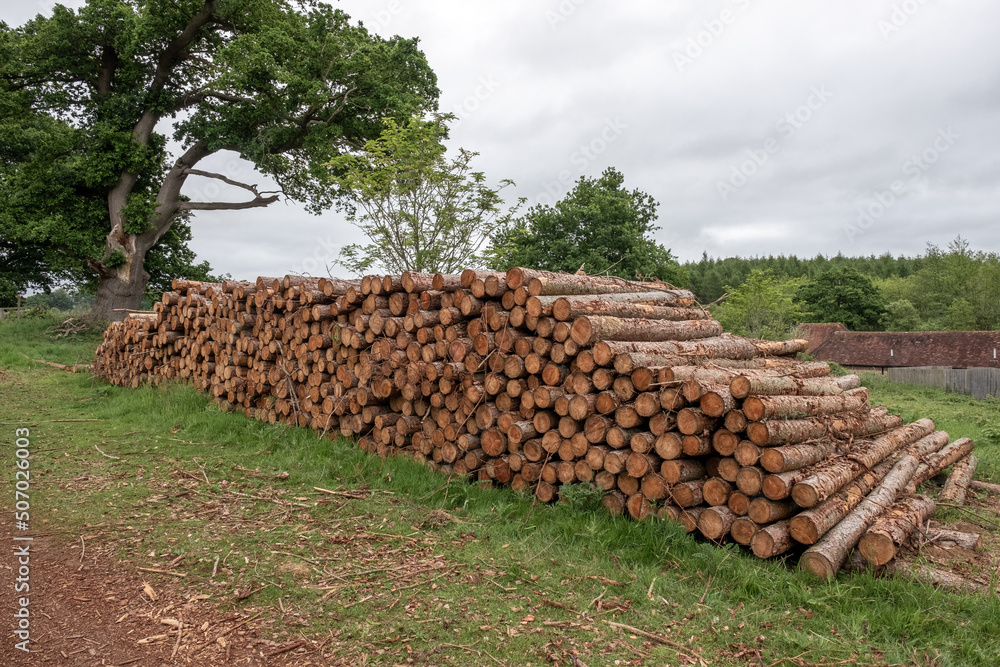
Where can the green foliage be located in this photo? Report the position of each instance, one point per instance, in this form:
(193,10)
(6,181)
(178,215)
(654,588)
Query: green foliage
(762,307)
(954,290)
(902,315)
(708,276)
(599,226)
(847,296)
(89,97)
(420,211)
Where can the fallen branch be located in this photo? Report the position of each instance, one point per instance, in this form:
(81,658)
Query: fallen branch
(680,648)
(172,574)
(107,455)
(63,367)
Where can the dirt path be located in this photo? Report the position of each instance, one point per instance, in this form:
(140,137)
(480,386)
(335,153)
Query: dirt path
(88,608)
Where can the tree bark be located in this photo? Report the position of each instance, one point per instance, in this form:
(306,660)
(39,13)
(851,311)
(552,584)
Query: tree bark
(547,283)
(937,462)
(894,528)
(773,433)
(808,526)
(648,305)
(764,511)
(863,456)
(787,385)
(824,558)
(590,329)
(957,486)
(758,408)
(780,348)
(792,457)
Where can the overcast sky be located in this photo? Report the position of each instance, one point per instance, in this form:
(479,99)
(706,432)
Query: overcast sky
(760,126)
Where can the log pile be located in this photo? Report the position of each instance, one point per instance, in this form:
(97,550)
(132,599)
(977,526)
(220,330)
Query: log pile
(536,380)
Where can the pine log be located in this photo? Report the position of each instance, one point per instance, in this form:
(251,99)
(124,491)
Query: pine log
(792,457)
(788,385)
(688,517)
(715,522)
(772,433)
(863,456)
(988,487)
(736,421)
(647,305)
(739,503)
(655,487)
(824,558)
(894,528)
(716,491)
(750,480)
(970,541)
(935,463)
(957,486)
(746,453)
(688,494)
(639,507)
(692,420)
(725,443)
(717,402)
(548,283)
(729,469)
(758,408)
(743,529)
(764,511)
(780,348)
(772,540)
(590,329)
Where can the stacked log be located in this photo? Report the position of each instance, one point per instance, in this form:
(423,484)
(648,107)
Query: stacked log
(536,380)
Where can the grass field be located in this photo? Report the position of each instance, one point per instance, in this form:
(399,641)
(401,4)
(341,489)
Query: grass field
(397,563)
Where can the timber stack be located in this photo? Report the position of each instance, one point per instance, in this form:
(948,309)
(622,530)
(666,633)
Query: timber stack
(536,380)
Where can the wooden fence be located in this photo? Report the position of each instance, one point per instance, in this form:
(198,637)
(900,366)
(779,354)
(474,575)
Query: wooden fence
(977,382)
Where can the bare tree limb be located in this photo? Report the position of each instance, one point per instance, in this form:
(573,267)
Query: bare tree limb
(258,202)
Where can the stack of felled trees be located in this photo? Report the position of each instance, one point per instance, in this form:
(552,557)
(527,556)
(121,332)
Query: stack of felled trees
(536,380)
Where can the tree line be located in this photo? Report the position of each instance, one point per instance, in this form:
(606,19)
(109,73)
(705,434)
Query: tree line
(952,289)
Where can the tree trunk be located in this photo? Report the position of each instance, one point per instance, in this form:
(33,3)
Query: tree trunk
(764,511)
(541,283)
(825,557)
(894,528)
(772,433)
(124,287)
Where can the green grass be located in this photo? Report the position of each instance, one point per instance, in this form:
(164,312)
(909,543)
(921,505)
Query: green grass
(405,562)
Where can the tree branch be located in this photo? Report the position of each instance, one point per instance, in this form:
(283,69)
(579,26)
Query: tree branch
(256,202)
(224,179)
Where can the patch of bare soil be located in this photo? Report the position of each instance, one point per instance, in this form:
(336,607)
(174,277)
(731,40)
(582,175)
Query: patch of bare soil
(87,608)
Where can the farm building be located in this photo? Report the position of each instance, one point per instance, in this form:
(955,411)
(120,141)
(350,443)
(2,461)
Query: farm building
(963,361)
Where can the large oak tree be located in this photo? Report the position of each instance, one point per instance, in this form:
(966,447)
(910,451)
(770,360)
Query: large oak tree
(287,85)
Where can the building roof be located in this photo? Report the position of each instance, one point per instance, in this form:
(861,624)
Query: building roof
(955,349)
